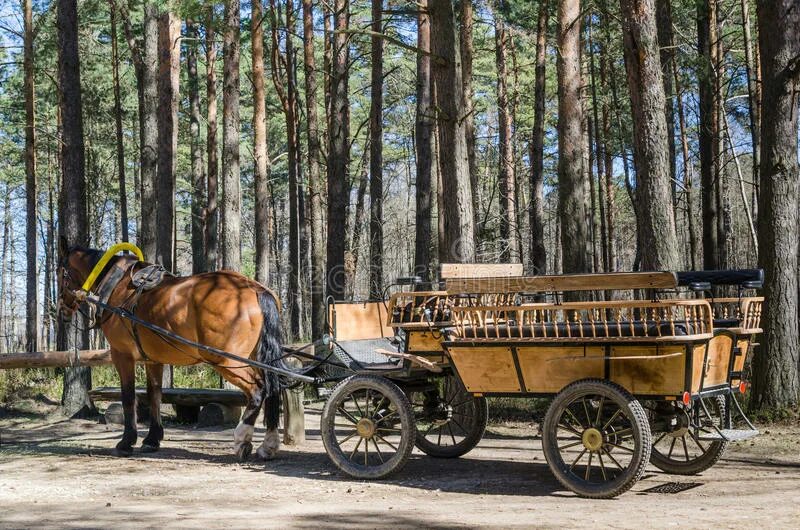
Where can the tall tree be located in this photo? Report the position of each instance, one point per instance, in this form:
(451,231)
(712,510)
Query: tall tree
(667,56)
(753,92)
(376,156)
(538,251)
(231,193)
(147,236)
(459,222)
(31,290)
(260,155)
(423,137)
(707,129)
(73,224)
(315,184)
(507,175)
(467,51)
(338,151)
(169,54)
(775,369)
(284,77)
(656,232)
(196,148)
(211,213)
(123,188)
(571,146)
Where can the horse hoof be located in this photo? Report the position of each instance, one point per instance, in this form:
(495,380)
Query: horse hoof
(244,450)
(266,454)
(148,448)
(123,451)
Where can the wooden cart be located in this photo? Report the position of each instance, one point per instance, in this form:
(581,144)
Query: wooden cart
(633,381)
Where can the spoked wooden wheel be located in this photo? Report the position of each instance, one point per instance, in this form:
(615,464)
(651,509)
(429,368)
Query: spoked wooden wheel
(596,439)
(367,427)
(683,448)
(450,420)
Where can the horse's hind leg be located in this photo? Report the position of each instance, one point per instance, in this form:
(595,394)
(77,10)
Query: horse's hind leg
(272,442)
(126,368)
(243,434)
(155,374)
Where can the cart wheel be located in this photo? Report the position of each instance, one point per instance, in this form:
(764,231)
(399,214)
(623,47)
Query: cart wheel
(450,420)
(681,450)
(596,439)
(367,427)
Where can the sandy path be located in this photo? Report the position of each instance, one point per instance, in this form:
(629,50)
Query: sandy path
(56,473)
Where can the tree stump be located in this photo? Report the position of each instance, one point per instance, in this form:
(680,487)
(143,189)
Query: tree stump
(114,415)
(294,427)
(215,414)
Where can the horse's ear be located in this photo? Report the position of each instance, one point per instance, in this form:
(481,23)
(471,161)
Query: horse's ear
(63,247)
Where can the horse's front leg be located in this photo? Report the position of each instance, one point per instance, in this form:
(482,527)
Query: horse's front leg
(152,442)
(126,368)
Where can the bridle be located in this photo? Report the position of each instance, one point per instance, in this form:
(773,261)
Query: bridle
(68,286)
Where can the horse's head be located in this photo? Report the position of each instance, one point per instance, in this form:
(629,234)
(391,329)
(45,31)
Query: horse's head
(74,265)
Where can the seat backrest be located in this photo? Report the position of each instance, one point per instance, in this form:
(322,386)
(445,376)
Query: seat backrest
(479,270)
(358,320)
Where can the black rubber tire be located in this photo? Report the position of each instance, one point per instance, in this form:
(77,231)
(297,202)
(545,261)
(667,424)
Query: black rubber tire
(398,402)
(473,413)
(640,430)
(703,461)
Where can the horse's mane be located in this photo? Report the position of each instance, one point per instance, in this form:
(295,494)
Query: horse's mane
(93,253)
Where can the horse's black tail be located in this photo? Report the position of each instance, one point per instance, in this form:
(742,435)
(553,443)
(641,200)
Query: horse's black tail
(270,352)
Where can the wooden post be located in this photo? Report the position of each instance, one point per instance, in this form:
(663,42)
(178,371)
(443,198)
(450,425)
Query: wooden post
(294,423)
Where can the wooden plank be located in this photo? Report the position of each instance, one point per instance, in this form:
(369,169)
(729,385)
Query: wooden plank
(192,397)
(54,359)
(564,282)
(486,369)
(649,369)
(479,270)
(360,320)
(551,368)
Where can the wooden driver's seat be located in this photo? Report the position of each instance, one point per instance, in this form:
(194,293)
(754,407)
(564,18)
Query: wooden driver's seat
(358,330)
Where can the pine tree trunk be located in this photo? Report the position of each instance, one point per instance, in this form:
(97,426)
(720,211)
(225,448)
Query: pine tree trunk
(506,173)
(467,51)
(571,145)
(73,223)
(538,251)
(600,156)
(423,137)
(290,106)
(338,153)
(657,237)
(31,290)
(753,93)
(123,189)
(776,378)
(211,213)
(196,148)
(169,51)
(315,184)
(706,36)
(459,221)
(231,193)
(667,55)
(376,157)
(149,150)
(260,155)
(688,172)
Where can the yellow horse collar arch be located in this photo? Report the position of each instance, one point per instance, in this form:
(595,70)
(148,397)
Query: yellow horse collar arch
(110,253)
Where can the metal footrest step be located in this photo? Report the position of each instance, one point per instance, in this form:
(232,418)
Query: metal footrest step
(728,435)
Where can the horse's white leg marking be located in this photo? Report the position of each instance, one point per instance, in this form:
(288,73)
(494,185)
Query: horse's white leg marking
(242,434)
(270,445)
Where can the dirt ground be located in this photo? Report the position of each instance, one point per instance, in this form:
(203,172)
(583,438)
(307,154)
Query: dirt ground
(60,473)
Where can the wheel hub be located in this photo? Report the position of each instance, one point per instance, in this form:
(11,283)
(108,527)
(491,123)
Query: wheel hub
(366,428)
(592,439)
(678,424)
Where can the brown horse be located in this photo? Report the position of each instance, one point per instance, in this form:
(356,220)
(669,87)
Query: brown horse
(224,310)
